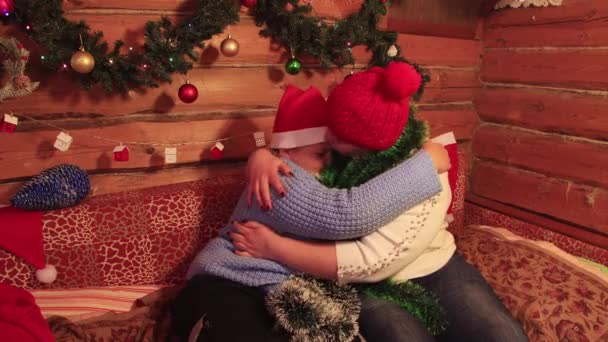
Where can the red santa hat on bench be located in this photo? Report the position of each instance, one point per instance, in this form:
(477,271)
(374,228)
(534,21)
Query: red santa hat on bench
(20,317)
(448,140)
(301,119)
(21,233)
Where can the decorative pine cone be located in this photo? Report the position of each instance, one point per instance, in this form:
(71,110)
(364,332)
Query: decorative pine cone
(21,82)
(59,187)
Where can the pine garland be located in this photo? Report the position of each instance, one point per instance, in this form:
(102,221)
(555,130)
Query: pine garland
(170,48)
(17,84)
(306,34)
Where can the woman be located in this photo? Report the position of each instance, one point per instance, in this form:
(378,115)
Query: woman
(474,311)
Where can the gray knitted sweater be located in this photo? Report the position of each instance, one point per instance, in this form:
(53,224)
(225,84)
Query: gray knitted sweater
(312,211)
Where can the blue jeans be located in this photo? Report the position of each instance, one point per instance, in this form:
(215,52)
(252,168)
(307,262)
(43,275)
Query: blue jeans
(474,312)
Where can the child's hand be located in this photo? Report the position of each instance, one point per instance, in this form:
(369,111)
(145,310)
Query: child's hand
(439,155)
(253,239)
(262,172)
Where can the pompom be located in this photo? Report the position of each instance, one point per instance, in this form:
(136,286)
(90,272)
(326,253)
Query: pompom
(47,275)
(401,81)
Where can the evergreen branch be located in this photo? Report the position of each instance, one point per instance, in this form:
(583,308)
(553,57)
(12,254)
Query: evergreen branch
(170,48)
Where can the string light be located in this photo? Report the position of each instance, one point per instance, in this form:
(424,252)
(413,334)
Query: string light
(28,27)
(257,135)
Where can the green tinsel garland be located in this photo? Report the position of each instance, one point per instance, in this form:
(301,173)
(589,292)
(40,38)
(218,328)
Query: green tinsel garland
(170,48)
(417,300)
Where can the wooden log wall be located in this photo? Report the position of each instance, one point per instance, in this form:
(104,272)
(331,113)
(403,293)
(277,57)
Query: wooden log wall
(455,19)
(237,96)
(542,147)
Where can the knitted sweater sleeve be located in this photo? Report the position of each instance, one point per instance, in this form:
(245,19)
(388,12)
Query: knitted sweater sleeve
(394,246)
(311,210)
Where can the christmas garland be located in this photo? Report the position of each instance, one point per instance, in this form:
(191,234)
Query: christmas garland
(170,48)
(165,51)
(292,24)
(18,83)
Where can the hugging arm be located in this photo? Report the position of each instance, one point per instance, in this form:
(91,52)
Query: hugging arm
(371,258)
(311,210)
(317,258)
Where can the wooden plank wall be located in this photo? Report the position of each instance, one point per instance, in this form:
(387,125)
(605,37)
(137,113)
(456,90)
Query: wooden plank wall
(455,19)
(543,143)
(237,95)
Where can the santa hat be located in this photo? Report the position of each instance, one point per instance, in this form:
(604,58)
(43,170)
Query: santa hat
(370,109)
(448,140)
(301,119)
(20,317)
(21,233)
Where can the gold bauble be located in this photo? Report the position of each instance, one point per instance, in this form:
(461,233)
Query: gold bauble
(229,47)
(82,62)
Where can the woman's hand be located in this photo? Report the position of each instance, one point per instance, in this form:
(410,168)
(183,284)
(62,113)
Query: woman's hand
(439,155)
(262,172)
(253,239)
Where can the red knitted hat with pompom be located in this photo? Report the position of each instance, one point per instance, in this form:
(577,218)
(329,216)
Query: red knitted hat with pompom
(370,109)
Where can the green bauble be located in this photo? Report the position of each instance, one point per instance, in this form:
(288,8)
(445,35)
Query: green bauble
(293,66)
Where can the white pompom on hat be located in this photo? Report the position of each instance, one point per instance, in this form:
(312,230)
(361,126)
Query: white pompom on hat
(21,233)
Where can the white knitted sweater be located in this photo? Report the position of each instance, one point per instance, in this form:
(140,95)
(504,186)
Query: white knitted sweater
(413,245)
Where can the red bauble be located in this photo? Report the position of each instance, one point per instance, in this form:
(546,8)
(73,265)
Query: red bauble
(6,7)
(188,93)
(249,3)
(288,7)
(382,1)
